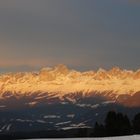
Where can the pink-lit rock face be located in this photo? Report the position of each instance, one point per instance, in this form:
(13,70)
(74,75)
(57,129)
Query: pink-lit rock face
(58,82)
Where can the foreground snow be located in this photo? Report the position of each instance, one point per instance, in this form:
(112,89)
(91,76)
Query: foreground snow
(134,137)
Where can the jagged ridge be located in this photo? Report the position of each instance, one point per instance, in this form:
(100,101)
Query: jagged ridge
(60,84)
(61,79)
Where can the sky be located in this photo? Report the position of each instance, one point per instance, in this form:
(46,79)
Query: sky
(82,34)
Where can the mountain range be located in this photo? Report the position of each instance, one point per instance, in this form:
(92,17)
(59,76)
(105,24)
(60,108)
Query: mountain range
(60,84)
(59,98)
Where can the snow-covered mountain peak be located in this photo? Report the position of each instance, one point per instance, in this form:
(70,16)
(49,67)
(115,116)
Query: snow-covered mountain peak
(115,71)
(64,80)
(62,69)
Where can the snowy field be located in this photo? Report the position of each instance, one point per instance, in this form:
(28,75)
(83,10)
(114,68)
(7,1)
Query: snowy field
(134,137)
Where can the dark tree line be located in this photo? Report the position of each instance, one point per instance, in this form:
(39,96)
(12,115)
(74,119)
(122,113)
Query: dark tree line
(117,124)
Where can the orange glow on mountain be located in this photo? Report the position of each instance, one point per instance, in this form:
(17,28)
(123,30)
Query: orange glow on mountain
(61,79)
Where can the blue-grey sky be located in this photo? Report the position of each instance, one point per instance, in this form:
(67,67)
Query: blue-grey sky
(83,34)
